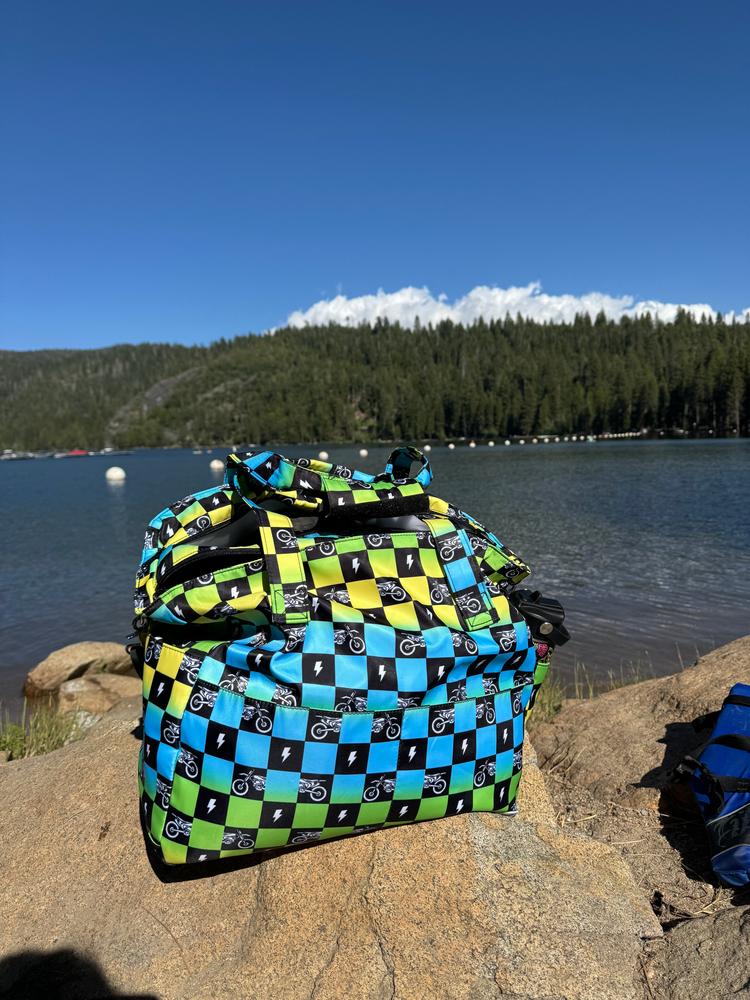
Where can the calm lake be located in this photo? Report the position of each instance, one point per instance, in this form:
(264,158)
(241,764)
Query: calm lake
(647,544)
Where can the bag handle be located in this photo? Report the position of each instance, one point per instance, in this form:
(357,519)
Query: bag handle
(400,462)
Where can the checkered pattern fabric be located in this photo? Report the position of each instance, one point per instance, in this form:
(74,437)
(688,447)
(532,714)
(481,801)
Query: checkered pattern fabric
(325,680)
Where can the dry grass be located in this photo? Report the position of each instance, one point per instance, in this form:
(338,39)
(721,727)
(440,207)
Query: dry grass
(553,692)
(40,729)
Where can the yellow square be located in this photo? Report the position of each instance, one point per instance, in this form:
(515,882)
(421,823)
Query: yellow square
(364,594)
(402,615)
(383,562)
(430,562)
(447,615)
(417,588)
(326,572)
(289,567)
(178,699)
(170,660)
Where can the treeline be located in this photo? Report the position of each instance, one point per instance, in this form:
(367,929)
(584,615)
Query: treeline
(506,377)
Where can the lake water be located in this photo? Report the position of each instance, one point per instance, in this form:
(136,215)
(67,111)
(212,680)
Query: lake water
(647,544)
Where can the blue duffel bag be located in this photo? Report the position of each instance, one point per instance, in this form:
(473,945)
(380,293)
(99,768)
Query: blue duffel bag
(720,780)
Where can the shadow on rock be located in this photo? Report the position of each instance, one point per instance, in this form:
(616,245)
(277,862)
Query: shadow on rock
(57,975)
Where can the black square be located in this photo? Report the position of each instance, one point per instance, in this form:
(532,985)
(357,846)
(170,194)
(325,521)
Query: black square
(355,566)
(196,854)
(464,746)
(379,787)
(437,670)
(437,781)
(504,732)
(351,758)
(323,727)
(381,673)
(344,814)
(408,563)
(479,665)
(403,810)
(231,590)
(459,803)
(277,815)
(319,668)
(412,755)
(161,690)
(502,789)
(285,755)
(221,741)
(442,719)
(211,806)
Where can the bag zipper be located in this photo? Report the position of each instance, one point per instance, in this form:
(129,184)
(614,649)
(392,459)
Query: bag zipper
(211,555)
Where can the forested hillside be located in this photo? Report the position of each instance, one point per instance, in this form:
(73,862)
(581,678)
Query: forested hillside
(383,381)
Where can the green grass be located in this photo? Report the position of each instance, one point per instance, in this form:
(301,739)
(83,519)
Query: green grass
(583,686)
(40,729)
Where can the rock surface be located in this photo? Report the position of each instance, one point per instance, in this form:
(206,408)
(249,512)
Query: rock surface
(469,907)
(96,693)
(74,661)
(607,763)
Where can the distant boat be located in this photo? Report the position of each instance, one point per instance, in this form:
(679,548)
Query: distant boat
(76,453)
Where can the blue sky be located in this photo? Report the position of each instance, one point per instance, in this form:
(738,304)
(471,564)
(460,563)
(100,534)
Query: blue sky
(185,171)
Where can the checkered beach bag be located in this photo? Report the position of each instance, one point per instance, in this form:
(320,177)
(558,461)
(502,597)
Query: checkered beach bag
(325,652)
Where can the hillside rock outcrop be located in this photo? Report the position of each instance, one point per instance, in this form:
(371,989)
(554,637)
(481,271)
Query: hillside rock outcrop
(76,660)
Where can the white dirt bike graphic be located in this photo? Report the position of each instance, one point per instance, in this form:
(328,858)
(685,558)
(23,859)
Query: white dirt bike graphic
(247,780)
(285,538)
(374,541)
(258,715)
(506,639)
(283,695)
(162,793)
(485,711)
(238,840)
(297,598)
(435,783)
(387,723)
(390,589)
(305,836)
(313,787)
(234,682)
(202,698)
(484,773)
(442,719)
(326,548)
(440,593)
(450,547)
(341,595)
(469,605)
(191,665)
(178,827)
(324,726)
(465,641)
(459,693)
(373,790)
(410,644)
(153,652)
(517,760)
(517,704)
(189,763)
(349,636)
(352,703)
(478,544)
(171,733)
(294,636)
(490,685)
(407,702)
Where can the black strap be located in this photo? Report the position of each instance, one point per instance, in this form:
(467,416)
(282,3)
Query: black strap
(737,699)
(719,785)
(732,740)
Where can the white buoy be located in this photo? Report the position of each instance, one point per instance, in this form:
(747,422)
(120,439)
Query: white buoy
(216,465)
(114,474)
(323,456)
(451,445)
(472,444)
(506,442)
(427,447)
(490,444)
(363,453)
(522,441)
(535,440)
(557,440)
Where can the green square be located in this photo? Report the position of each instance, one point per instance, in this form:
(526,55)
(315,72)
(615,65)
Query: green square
(243,813)
(201,598)
(184,795)
(383,562)
(269,837)
(513,790)
(433,808)
(206,836)
(336,831)
(372,813)
(431,563)
(484,798)
(405,540)
(352,544)
(174,854)
(326,572)
(158,816)
(309,816)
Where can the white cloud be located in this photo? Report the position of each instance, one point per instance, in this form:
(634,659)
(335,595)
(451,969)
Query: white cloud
(486,302)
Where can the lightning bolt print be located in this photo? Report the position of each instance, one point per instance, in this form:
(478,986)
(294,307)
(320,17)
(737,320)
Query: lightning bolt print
(276,815)
(355,564)
(403,810)
(441,671)
(285,753)
(211,805)
(342,814)
(160,688)
(220,739)
(318,667)
(460,805)
(352,757)
(381,672)
(409,560)
(412,751)
(464,745)
(235,592)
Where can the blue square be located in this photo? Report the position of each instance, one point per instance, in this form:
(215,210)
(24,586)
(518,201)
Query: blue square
(411,674)
(380,640)
(348,787)
(166,759)
(211,671)
(462,777)
(217,774)
(356,727)
(321,696)
(282,786)
(383,757)
(409,785)
(252,749)
(193,730)
(440,751)
(228,709)
(486,741)
(439,642)
(152,721)
(319,637)
(319,758)
(287,668)
(290,723)
(415,723)
(351,671)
